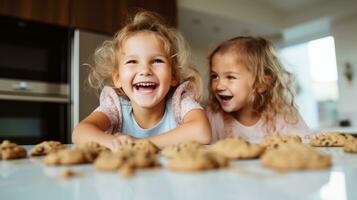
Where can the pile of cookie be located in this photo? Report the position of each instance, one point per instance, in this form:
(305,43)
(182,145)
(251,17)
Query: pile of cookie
(141,154)
(283,153)
(335,139)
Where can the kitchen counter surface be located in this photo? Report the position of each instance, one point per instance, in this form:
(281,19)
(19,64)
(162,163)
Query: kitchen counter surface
(30,179)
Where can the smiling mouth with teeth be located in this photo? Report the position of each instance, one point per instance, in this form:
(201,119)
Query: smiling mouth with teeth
(145,85)
(225,97)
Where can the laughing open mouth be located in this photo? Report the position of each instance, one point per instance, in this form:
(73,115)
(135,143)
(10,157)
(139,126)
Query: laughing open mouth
(225,97)
(145,85)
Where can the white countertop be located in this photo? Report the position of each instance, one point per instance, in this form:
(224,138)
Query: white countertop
(30,179)
(349,130)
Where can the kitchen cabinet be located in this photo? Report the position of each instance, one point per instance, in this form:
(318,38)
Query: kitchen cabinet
(99,16)
(166,8)
(48,11)
(106,16)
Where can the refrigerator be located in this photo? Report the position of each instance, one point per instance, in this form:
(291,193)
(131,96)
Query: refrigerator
(84,99)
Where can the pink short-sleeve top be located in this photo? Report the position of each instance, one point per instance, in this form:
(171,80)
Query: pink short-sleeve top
(184,99)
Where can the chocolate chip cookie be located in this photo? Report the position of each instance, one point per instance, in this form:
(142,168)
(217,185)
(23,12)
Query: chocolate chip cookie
(126,161)
(295,156)
(45,148)
(171,150)
(197,161)
(236,148)
(350,145)
(140,145)
(92,148)
(71,156)
(9,150)
(329,139)
(275,140)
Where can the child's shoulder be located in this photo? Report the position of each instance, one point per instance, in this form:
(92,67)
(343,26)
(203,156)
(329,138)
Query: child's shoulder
(184,99)
(186,89)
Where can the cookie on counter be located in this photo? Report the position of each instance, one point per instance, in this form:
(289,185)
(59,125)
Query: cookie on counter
(126,161)
(109,161)
(275,140)
(92,148)
(9,150)
(71,156)
(350,145)
(46,147)
(329,139)
(140,145)
(181,147)
(197,161)
(294,156)
(236,148)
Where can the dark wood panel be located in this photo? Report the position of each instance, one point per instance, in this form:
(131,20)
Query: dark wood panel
(105,16)
(94,15)
(166,8)
(49,11)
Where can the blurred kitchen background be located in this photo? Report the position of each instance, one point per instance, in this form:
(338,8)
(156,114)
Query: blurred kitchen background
(44,44)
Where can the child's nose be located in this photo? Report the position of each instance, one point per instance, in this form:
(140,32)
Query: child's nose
(145,70)
(221,85)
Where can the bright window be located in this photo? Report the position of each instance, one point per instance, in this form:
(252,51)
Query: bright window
(314,67)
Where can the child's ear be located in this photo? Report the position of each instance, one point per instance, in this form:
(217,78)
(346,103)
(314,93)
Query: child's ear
(115,77)
(174,82)
(263,87)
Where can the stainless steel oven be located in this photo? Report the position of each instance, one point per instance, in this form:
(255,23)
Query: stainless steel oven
(32,111)
(34,86)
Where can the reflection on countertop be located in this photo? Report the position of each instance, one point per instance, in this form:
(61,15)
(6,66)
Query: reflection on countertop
(29,178)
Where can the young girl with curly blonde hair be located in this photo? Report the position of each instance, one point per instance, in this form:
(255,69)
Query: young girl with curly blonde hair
(148,89)
(251,94)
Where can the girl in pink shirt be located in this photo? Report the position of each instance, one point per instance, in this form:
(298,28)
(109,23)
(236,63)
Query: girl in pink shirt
(251,94)
(148,89)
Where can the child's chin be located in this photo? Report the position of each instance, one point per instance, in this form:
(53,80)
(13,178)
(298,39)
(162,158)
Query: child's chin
(226,109)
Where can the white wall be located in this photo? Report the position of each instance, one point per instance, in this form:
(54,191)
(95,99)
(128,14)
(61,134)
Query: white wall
(199,58)
(345,34)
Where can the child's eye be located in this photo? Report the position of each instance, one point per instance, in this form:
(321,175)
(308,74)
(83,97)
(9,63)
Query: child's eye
(214,76)
(158,60)
(131,62)
(231,77)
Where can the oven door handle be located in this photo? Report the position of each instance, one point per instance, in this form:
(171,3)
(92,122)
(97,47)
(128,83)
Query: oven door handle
(22,85)
(37,98)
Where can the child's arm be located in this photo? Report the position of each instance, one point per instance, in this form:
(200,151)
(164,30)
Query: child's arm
(195,126)
(92,128)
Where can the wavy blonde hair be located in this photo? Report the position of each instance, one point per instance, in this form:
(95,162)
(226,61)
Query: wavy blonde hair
(106,57)
(268,74)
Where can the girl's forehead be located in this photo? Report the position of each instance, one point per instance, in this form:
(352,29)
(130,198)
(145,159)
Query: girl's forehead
(227,62)
(228,57)
(143,39)
(149,35)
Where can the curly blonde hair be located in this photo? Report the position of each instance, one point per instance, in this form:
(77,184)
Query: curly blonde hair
(268,74)
(106,59)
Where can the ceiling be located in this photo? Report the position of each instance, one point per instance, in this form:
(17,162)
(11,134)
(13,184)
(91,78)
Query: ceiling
(208,22)
(286,6)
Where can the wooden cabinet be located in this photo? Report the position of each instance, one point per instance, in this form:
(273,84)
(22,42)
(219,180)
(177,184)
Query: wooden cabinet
(110,15)
(49,11)
(95,15)
(166,8)
(105,16)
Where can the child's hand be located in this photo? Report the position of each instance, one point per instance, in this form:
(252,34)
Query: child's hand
(120,139)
